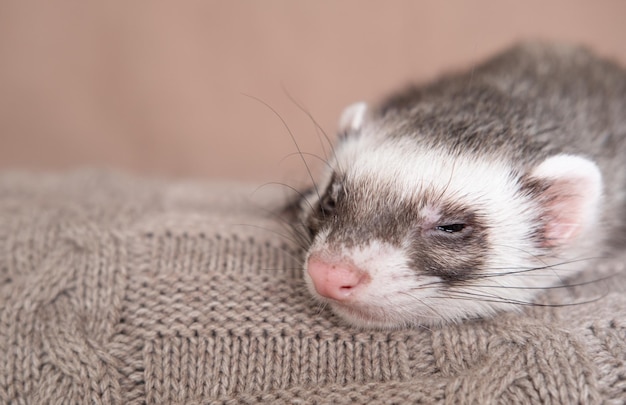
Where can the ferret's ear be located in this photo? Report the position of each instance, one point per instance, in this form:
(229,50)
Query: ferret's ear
(570,196)
(352,118)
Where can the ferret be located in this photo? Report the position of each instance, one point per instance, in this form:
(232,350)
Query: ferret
(468,196)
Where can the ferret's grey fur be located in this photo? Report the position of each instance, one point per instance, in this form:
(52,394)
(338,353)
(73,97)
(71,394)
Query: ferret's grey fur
(476,148)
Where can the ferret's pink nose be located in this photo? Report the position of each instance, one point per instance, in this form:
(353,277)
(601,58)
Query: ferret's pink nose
(335,281)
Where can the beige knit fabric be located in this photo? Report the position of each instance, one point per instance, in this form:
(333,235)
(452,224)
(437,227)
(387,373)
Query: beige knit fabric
(121,290)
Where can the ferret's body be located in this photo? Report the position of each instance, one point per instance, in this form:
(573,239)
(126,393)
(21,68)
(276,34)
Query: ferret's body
(468,196)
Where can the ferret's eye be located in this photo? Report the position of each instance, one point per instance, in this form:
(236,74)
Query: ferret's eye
(452,228)
(328,204)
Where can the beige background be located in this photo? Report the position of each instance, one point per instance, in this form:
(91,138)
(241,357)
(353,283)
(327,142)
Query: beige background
(156,87)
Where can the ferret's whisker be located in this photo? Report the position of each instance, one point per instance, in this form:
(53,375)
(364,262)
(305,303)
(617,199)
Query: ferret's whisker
(521,270)
(467,295)
(277,183)
(539,259)
(297,238)
(321,307)
(321,159)
(303,238)
(565,285)
(316,124)
(293,138)
(421,301)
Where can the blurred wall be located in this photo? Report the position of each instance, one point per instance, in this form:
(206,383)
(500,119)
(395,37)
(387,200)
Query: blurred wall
(157,87)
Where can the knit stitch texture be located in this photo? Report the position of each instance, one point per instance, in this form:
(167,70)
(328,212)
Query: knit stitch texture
(121,290)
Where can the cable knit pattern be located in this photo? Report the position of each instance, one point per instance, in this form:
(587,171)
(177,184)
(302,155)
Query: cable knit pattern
(119,290)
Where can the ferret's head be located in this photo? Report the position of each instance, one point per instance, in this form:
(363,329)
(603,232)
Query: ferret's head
(403,234)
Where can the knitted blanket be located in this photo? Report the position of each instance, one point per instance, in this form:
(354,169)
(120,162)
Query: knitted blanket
(116,289)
